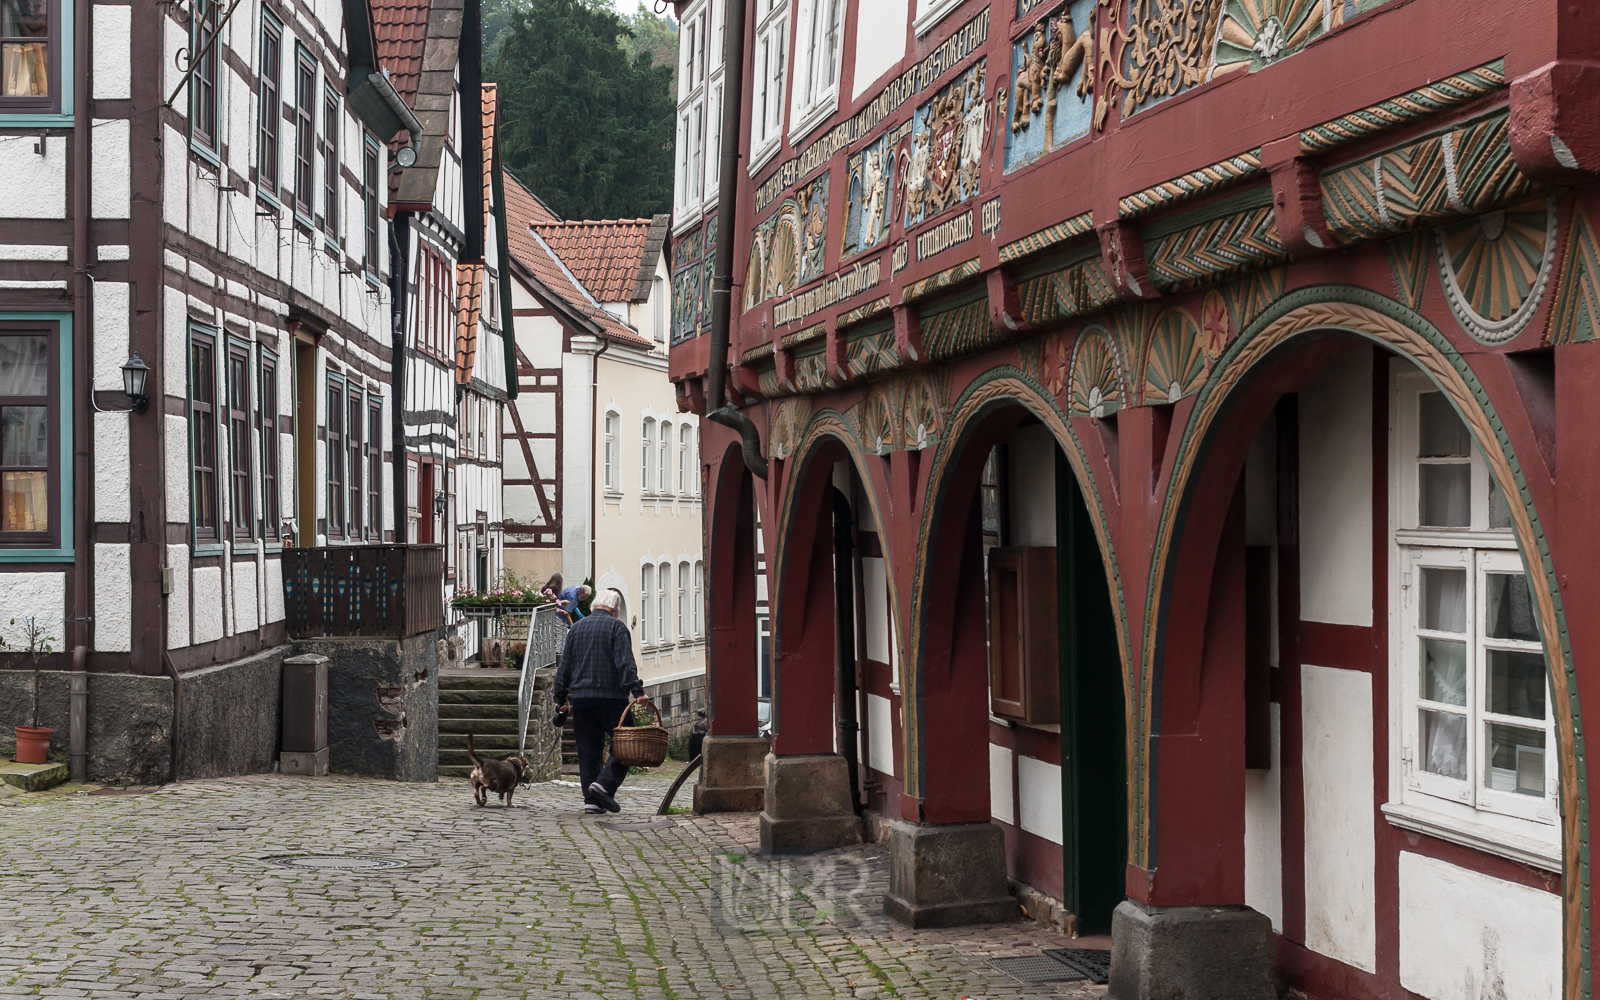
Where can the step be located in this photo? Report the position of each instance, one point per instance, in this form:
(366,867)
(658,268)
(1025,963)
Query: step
(477,697)
(32,777)
(470,711)
(454,770)
(491,742)
(482,727)
(488,680)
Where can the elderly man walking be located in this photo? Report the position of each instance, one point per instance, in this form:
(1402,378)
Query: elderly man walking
(596,677)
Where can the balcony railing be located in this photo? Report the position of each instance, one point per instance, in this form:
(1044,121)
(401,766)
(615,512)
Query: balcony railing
(363,590)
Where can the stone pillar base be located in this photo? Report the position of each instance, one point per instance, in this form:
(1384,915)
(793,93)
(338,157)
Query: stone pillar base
(1190,952)
(948,875)
(314,765)
(731,774)
(807,805)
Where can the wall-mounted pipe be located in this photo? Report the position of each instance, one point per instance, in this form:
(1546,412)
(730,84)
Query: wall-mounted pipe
(718,409)
(83,378)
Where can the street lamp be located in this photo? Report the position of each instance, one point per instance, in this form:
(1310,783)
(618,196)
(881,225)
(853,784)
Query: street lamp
(134,374)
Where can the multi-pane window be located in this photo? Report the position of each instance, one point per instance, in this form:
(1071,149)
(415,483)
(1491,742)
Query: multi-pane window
(491,295)
(647,577)
(663,586)
(684,468)
(29,55)
(330,163)
(435,302)
(683,600)
(483,428)
(824,31)
(1478,731)
(611,452)
(30,462)
(647,451)
(771,67)
(203,81)
(374,468)
(241,489)
(355,483)
(335,458)
(305,132)
(204,500)
(664,460)
(464,426)
(699,589)
(271,510)
(267,110)
(369,199)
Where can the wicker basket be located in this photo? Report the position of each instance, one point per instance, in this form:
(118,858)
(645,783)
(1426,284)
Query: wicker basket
(638,746)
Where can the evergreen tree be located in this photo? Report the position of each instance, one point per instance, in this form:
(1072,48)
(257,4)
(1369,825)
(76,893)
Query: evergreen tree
(584,126)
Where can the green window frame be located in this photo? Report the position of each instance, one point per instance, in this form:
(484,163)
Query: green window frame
(56,543)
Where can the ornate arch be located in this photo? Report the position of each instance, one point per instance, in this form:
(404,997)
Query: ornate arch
(996,388)
(1369,315)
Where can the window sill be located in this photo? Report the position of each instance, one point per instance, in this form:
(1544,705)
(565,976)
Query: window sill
(36,555)
(35,120)
(1480,837)
(1456,537)
(935,13)
(760,158)
(814,116)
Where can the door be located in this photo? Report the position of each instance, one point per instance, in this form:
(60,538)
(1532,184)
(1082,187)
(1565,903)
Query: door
(305,443)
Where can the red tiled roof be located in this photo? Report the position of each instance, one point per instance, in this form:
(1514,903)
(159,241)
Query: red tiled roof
(524,215)
(469,290)
(402,29)
(604,255)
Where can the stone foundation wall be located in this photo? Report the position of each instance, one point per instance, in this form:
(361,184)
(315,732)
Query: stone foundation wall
(229,717)
(679,701)
(130,722)
(383,704)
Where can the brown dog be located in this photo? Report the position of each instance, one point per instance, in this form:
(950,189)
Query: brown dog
(498,776)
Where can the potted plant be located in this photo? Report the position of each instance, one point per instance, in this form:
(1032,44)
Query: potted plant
(33,742)
(511,597)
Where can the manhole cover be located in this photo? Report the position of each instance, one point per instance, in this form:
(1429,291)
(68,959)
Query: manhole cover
(660,823)
(1092,962)
(334,862)
(1035,969)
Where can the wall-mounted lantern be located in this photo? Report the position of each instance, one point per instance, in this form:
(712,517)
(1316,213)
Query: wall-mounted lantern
(134,374)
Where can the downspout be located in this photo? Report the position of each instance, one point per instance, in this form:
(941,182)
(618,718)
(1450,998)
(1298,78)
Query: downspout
(726,413)
(399,272)
(78,708)
(594,437)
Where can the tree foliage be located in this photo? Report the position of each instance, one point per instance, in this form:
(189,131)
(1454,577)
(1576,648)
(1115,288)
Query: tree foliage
(585,126)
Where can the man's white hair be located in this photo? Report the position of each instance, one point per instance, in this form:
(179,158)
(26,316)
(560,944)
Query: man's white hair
(610,599)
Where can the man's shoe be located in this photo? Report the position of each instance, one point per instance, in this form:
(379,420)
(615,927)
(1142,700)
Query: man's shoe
(606,798)
(590,809)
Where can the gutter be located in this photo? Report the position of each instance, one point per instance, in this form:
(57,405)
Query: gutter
(384,87)
(83,374)
(594,486)
(725,412)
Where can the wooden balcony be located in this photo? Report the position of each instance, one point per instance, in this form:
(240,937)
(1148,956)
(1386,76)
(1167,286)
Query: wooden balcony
(363,590)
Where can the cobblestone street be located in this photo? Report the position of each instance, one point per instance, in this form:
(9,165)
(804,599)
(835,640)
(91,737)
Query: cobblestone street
(173,893)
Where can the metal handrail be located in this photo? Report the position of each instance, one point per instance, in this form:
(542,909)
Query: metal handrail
(547,632)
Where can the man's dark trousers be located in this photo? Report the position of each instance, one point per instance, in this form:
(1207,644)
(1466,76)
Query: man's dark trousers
(592,721)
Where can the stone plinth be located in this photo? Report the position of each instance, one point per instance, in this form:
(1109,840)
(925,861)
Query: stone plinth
(732,774)
(948,875)
(32,777)
(807,804)
(1190,953)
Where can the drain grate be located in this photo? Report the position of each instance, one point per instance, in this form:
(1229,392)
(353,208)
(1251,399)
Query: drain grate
(334,862)
(1092,962)
(1035,969)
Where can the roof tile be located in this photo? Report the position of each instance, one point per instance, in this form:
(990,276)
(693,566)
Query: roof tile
(604,255)
(402,29)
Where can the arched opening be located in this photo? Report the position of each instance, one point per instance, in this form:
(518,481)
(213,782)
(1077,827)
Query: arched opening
(1020,675)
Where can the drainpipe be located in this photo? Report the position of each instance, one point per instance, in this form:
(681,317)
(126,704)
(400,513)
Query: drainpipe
(726,413)
(594,416)
(82,431)
(399,272)
(177,707)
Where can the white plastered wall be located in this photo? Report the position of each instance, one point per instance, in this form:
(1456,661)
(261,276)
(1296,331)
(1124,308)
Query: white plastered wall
(1336,493)
(1340,845)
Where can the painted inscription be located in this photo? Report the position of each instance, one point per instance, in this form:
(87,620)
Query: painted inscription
(947,234)
(839,288)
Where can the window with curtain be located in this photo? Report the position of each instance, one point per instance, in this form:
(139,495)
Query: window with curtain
(269,114)
(647,577)
(663,589)
(646,453)
(611,452)
(240,486)
(664,460)
(1478,729)
(267,406)
(30,51)
(30,452)
(204,498)
(334,458)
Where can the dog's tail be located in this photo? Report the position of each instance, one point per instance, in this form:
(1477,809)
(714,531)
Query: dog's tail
(472,754)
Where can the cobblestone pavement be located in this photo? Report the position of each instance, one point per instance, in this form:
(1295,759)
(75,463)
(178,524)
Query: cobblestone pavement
(172,894)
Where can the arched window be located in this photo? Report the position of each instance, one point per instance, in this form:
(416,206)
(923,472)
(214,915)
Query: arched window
(683,601)
(683,461)
(699,589)
(647,452)
(611,452)
(664,463)
(646,578)
(663,585)
(694,457)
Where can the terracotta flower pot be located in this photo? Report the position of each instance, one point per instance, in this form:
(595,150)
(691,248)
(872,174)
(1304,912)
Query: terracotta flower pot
(33,744)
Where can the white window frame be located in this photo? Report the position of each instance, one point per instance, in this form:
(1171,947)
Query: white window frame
(683,460)
(1467,812)
(647,455)
(664,459)
(647,574)
(930,13)
(699,589)
(769,81)
(815,94)
(610,452)
(683,599)
(663,585)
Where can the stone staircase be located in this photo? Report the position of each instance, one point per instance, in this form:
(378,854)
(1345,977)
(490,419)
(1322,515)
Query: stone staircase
(479,701)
